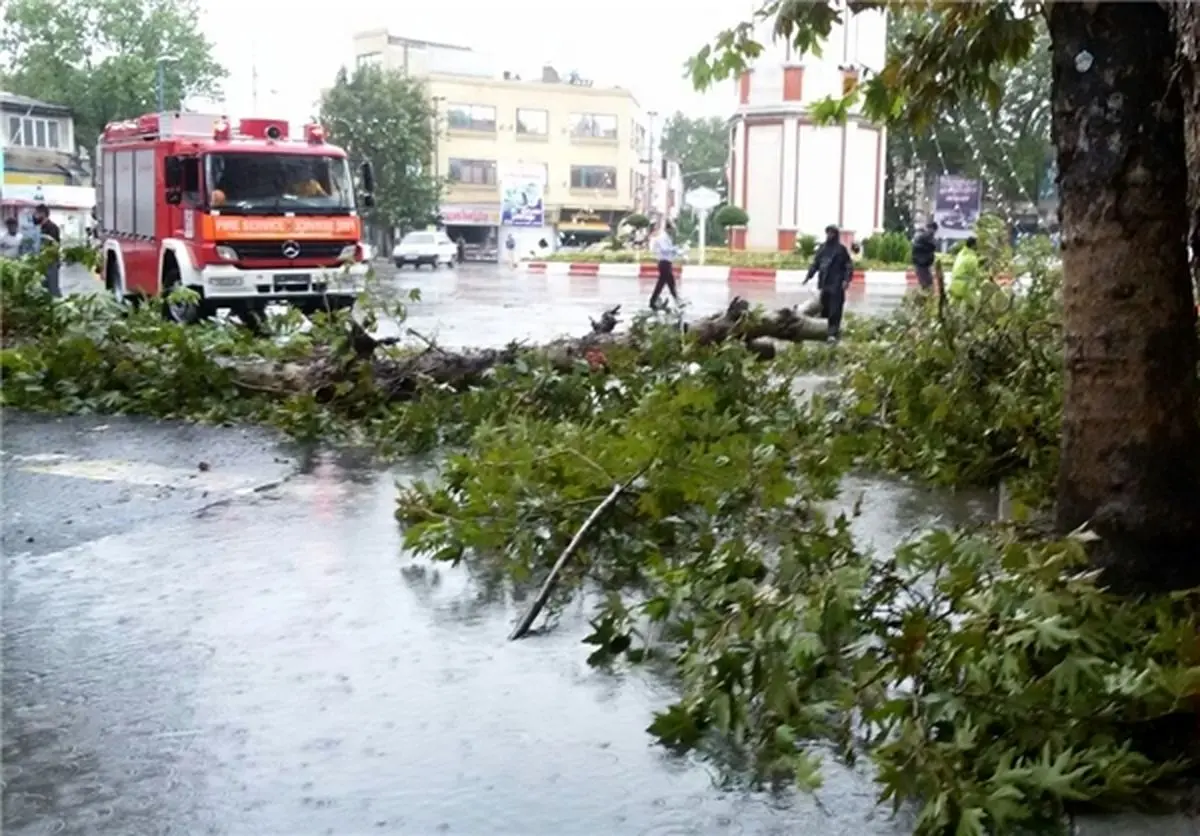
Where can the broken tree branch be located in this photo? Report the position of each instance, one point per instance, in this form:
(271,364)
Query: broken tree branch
(543,595)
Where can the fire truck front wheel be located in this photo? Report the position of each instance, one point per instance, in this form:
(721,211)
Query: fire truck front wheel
(184,312)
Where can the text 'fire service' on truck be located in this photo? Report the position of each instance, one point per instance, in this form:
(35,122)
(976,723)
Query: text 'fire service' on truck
(242,214)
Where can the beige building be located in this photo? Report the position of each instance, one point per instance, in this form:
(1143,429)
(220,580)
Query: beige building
(503,140)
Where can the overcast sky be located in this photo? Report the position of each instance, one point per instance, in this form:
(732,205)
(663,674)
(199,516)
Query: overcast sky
(640,44)
(637,44)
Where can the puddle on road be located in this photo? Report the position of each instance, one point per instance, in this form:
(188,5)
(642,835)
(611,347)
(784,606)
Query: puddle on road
(277,666)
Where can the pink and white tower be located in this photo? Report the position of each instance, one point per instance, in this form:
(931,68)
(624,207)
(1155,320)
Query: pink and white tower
(793,177)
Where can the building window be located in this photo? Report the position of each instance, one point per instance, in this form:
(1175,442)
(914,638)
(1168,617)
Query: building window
(593,177)
(369,59)
(473,172)
(461,117)
(533,122)
(594,125)
(32,132)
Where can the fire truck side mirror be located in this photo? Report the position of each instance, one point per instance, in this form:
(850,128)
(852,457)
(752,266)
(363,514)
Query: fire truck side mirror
(173,174)
(367,177)
(173,180)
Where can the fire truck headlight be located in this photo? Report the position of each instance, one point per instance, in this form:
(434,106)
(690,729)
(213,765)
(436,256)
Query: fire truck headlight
(349,253)
(227,253)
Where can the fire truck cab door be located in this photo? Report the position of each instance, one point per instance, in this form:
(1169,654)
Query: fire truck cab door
(184,193)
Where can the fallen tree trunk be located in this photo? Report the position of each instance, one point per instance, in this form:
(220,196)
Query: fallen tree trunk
(400,375)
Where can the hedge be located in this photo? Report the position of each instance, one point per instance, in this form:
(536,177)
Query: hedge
(716,256)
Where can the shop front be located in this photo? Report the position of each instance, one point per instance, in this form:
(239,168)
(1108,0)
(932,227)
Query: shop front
(70,207)
(475,227)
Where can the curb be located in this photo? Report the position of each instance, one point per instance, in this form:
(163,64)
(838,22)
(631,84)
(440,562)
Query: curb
(884,281)
(761,277)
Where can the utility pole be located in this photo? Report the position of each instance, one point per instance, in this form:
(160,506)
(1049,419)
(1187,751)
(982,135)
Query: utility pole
(160,78)
(437,135)
(650,163)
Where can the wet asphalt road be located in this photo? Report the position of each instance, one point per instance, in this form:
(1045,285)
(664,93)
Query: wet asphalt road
(209,631)
(488,305)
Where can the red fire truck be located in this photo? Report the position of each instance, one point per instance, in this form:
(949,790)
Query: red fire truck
(243,214)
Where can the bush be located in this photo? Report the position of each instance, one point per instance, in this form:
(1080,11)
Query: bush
(636,220)
(889,247)
(806,246)
(730,215)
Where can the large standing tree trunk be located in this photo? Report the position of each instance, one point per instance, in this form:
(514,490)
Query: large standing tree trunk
(1186,19)
(1131,443)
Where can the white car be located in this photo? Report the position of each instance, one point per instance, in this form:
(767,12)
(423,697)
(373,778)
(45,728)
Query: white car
(429,247)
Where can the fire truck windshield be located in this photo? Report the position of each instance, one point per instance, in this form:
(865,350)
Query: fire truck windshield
(270,183)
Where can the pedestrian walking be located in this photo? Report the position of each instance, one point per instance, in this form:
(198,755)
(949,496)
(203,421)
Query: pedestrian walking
(50,234)
(10,239)
(461,246)
(510,245)
(924,252)
(833,268)
(665,252)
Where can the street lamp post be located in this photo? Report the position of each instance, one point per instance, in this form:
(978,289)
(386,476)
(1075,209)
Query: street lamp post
(161,79)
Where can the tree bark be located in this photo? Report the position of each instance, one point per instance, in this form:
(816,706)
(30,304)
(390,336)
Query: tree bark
(1130,464)
(400,377)
(1185,17)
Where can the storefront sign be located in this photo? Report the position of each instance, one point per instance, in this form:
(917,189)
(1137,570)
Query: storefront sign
(62,197)
(523,190)
(583,221)
(26,178)
(468,215)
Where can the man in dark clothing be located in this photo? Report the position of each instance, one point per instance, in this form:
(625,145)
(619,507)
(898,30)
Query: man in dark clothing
(50,235)
(833,268)
(924,252)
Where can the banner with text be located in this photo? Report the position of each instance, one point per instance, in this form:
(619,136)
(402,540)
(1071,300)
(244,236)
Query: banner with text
(522,195)
(957,205)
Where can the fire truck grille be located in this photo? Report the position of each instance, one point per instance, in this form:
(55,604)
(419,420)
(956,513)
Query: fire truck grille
(274,250)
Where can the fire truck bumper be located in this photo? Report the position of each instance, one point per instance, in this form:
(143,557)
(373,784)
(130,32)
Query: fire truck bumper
(227,283)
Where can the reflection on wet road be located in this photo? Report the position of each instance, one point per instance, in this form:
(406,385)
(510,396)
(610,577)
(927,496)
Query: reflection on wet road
(255,654)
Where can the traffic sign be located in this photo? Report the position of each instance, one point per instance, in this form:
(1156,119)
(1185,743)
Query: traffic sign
(702,199)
